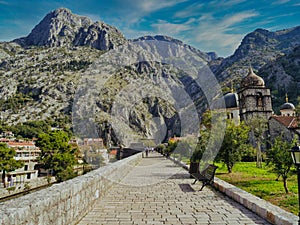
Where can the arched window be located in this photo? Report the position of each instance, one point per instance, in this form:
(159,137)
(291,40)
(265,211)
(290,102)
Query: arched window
(259,100)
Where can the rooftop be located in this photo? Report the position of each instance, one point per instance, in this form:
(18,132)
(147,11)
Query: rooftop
(287,121)
(252,80)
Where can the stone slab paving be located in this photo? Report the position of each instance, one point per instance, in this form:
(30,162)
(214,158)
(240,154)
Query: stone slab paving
(157,191)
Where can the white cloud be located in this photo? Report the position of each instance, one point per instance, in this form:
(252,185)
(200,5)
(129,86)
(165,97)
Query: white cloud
(154,5)
(234,19)
(135,10)
(208,32)
(143,7)
(217,34)
(280,2)
(281,15)
(189,11)
(219,3)
(133,34)
(4,3)
(171,29)
(195,9)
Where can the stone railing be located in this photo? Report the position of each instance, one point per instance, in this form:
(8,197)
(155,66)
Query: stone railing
(22,187)
(264,209)
(66,202)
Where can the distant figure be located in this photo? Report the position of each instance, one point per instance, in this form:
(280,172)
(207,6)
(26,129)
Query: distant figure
(147,150)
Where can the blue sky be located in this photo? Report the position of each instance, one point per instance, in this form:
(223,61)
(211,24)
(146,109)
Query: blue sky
(207,25)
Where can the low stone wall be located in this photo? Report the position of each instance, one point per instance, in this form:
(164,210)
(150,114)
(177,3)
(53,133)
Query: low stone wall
(66,202)
(21,187)
(264,209)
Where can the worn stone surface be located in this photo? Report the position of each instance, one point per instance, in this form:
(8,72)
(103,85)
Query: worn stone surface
(156,191)
(138,190)
(264,209)
(67,202)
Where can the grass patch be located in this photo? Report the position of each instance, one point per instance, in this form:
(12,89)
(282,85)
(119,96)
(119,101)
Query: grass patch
(262,183)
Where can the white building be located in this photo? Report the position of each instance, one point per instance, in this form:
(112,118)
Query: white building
(28,153)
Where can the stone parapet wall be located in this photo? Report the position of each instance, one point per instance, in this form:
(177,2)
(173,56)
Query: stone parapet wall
(66,202)
(21,187)
(264,209)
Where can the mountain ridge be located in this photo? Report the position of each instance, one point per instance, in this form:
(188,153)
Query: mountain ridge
(256,49)
(63,28)
(40,72)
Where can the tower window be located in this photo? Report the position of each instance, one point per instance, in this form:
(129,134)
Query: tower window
(259,100)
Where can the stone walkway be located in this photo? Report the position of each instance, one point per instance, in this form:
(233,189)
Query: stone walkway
(157,191)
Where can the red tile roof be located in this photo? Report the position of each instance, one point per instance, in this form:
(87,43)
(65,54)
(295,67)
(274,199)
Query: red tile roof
(288,121)
(15,144)
(113,152)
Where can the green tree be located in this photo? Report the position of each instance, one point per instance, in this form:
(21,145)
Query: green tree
(279,158)
(209,138)
(258,127)
(170,148)
(7,161)
(201,146)
(234,145)
(57,154)
(160,148)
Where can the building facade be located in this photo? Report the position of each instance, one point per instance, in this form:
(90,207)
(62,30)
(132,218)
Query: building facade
(28,153)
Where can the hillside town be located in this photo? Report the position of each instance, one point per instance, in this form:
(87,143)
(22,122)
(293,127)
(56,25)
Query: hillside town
(32,175)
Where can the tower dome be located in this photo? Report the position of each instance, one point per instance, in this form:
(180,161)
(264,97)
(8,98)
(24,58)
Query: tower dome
(231,100)
(287,105)
(287,109)
(252,80)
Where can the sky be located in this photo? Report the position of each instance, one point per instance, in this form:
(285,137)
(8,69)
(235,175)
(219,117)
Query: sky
(217,25)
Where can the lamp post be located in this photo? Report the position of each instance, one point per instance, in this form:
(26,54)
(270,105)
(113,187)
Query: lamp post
(295,152)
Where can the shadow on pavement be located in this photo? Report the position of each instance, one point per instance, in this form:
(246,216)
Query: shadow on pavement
(186,188)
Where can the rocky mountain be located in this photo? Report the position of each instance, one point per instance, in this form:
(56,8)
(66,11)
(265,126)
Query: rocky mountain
(257,49)
(63,28)
(206,56)
(89,72)
(44,73)
(282,76)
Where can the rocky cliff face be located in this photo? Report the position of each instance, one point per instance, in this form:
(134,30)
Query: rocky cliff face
(63,28)
(282,76)
(257,49)
(143,89)
(42,75)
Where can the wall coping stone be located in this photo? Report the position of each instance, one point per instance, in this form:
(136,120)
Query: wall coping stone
(263,208)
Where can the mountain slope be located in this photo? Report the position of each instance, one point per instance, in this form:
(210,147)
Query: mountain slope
(63,28)
(282,76)
(256,49)
(42,75)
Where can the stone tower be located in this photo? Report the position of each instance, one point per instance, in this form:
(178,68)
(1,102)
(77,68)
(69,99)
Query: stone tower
(254,98)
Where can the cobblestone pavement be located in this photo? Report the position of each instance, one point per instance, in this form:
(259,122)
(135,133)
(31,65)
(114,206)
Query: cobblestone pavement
(157,191)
